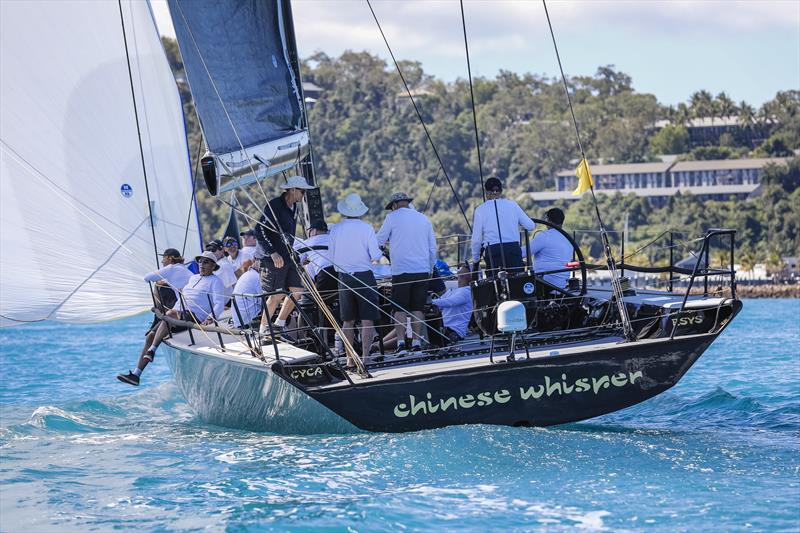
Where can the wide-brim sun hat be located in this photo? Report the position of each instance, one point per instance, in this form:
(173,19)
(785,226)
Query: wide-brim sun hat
(352,206)
(296,182)
(208,255)
(399,197)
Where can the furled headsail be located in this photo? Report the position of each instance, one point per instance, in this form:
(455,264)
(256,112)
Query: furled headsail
(238,59)
(81,200)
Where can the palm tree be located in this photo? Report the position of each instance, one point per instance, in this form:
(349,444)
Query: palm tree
(747,118)
(702,104)
(724,105)
(748,259)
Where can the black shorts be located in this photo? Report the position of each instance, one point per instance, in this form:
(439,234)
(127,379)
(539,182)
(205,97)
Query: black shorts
(410,291)
(327,282)
(275,279)
(358,296)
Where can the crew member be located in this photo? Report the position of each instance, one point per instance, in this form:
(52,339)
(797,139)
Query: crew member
(412,252)
(249,244)
(274,233)
(456,307)
(203,298)
(226,271)
(551,250)
(246,294)
(353,247)
(495,228)
(241,261)
(316,256)
(170,278)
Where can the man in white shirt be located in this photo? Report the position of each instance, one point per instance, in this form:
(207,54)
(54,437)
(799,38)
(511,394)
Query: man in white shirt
(552,251)
(226,271)
(170,278)
(353,248)
(241,261)
(412,252)
(495,229)
(203,299)
(456,307)
(249,244)
(248,305)
(315,254)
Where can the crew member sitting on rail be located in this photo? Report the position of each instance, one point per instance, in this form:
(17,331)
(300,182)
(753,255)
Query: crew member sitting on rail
(241,262)
(412,252)
(246,294)
(202,294)
(495,227)
(226,271)
(353,247)
(249,244)
(551,250)
(456,306)
(170,278)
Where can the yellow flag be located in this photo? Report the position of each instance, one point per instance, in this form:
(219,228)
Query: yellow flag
(585,180)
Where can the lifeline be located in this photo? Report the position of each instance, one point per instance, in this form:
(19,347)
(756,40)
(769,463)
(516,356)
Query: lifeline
(484,399)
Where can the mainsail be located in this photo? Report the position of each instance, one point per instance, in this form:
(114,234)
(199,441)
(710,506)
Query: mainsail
(237,57)
(81,199)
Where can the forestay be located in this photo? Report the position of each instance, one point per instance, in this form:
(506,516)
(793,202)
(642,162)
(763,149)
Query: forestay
(76,235)
(237,58)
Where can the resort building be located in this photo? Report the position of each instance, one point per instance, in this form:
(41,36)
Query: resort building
(712,180)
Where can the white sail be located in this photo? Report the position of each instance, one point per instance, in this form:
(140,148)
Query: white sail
(75,228)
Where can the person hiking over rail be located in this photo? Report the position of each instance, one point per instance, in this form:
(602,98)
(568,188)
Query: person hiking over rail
(193,307)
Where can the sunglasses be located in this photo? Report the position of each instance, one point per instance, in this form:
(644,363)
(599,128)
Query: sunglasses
(204,261)
(228,244)
(495,191)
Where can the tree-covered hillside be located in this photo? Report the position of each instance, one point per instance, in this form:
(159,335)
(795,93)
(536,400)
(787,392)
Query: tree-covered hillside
(367,138)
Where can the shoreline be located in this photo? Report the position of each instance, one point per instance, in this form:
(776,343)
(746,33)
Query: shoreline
(768,291)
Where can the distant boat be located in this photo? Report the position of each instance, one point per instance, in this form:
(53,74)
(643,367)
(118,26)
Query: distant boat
(575,356)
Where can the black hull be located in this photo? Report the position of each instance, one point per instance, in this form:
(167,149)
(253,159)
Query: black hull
(536,392)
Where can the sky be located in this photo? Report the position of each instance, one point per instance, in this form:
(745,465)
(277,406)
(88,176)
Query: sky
(748,49)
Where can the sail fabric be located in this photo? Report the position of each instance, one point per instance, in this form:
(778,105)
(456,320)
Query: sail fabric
(75,227)
(235,57)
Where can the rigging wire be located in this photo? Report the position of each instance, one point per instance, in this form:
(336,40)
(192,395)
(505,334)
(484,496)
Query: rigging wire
(139,134)
(419,116)
(615,282)
(472,100)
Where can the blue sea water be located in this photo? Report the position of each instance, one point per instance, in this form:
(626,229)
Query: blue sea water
(80,451)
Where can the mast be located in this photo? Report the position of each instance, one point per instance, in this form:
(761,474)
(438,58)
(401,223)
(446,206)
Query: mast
(312,200)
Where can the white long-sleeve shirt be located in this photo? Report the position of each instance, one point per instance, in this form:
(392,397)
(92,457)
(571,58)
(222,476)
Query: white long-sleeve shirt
(551,251)
(318,257)
(353,246)
(456,306)
(485,227)
(249,306)
(176,275)
(412,244)
(196,293)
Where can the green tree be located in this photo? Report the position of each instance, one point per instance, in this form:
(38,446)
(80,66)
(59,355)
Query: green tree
(671,139)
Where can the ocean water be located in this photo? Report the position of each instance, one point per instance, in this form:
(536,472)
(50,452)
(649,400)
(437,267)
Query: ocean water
(80,451)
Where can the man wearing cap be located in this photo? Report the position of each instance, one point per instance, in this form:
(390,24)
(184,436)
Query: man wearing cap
(316,256)
(226,271)
(495,228)
(275,233)
(353,248)
(412,251)
(203,299)
(241,262)
(248,305)
(170,278)
(551,250)
(249,244)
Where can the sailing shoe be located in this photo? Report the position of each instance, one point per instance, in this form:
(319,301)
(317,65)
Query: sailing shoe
(130,378)
(149,355)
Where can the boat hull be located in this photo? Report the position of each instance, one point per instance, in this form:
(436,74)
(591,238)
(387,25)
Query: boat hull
(536,392)
(247,395)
